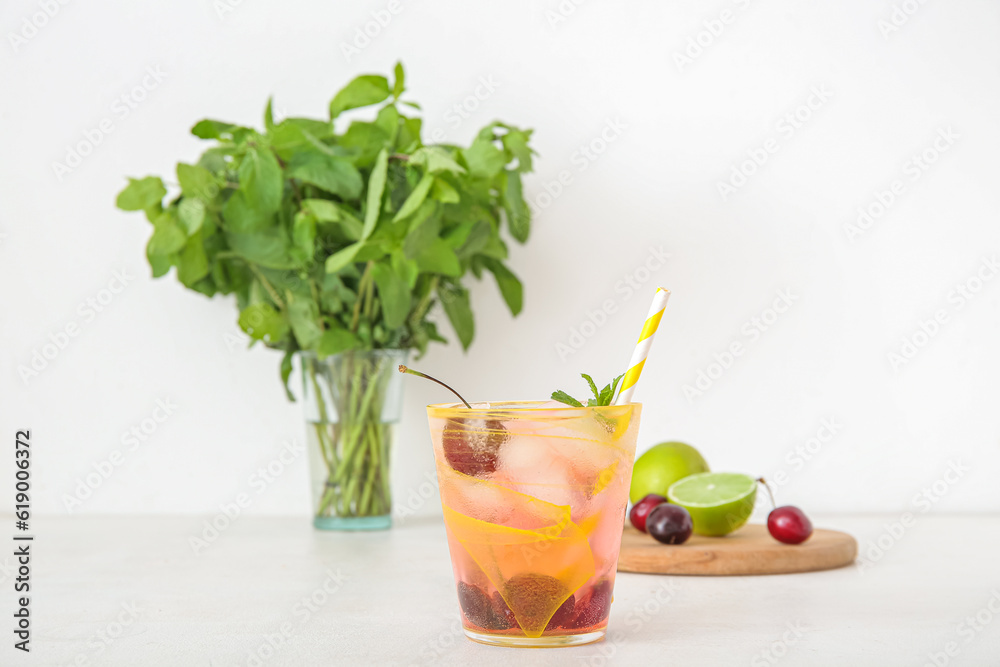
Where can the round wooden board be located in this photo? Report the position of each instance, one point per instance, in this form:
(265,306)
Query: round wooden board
(750,550)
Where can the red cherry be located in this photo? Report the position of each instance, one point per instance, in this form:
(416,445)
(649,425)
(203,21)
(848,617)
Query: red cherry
(789,524)
(472,446)
(637,515)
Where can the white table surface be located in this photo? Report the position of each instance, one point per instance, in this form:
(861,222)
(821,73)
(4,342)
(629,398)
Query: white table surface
(396,603)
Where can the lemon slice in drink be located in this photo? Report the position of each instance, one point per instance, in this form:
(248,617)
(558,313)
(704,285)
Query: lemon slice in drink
(718,502)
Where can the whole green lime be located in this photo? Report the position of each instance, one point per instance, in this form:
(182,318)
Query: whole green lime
(661,466)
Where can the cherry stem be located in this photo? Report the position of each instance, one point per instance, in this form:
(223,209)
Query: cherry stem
(767,486)
(404,369)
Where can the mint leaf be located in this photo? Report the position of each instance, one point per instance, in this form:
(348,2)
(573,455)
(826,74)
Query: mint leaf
(484,159)
(303,315)
(563,397)
(376,186)
(141,193)
(192,264)
(415,198)
(335,341)
(436,160)
(261,321)
(167,236)
(516,143)
(261,180)
(212,129)
(398,84)
(196,182)
(514,206)
(394,294)
(455,301)
(335,175)
(510,286)
(361,92)
(286,372)
(593,387)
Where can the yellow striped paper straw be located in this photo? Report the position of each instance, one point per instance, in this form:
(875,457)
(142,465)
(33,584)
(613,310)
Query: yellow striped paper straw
(642,347)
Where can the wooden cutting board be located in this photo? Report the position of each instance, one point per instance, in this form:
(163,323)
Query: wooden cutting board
(750,550)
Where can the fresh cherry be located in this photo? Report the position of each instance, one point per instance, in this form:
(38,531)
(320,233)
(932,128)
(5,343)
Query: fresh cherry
(472,446)
(593,609)
(670,524)
(640,511)
(789,524)
(481,610)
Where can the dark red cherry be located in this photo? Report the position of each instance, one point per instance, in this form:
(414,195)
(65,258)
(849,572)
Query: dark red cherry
(789,524)
(670,524)
(637,515)
(595,607)
(472,446)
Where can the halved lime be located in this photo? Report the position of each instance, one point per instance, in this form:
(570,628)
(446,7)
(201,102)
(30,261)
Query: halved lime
(718,502)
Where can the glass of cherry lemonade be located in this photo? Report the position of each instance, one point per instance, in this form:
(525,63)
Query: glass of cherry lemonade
(534,498)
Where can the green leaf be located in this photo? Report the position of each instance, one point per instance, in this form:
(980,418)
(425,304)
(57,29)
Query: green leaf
(261,321)
(484,159)
(376,186)
(416,198)
(342,257)
(269,114)
(141,193)
(366,140)
(327,211)
(388,121)
(518,214)
(303,314)
(409,134)
(510,286)
(590,383)
(394,295)
(241,217)
(438,257)
(269,248)
(192,265)
(261,180)
(405,268)
(516,142)
(160,264)
(455,301)
(361,92)
(563,397)
(614,387)
(336,175)
(436,160)
(400,80)
(167,236)
(212,129)
(424,229)
(286,372)
(335,341)
(197,182)
(191,213)
(304,235)
(444,193)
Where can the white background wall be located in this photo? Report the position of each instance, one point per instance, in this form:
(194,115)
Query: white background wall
(683,127)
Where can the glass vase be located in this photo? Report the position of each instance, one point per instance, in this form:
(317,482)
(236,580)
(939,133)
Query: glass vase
(352,403)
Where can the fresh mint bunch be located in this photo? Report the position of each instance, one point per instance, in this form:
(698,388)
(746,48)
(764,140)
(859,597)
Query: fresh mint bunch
(603,397)
(333,241)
